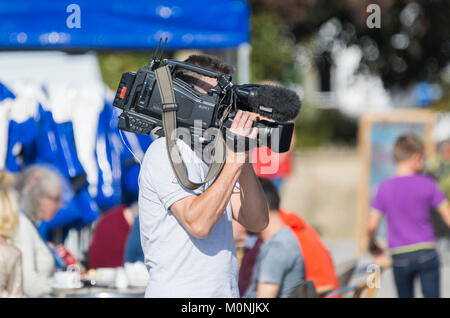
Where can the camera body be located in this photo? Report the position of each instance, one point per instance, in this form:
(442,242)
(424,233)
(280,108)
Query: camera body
(139,98)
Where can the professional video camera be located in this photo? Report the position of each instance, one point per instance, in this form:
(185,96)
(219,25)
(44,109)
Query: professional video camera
(144,110)
(140,100)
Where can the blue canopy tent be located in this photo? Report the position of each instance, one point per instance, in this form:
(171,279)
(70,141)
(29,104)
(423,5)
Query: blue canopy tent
(113,24)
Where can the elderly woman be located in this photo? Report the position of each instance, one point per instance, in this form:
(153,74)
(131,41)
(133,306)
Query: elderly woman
(39,191)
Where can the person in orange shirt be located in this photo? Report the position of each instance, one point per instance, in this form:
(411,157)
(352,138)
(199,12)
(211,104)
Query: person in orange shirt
(319,265)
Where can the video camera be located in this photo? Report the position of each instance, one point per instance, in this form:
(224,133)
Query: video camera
(140,100)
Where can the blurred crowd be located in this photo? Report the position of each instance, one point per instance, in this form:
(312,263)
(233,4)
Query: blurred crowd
(28,261)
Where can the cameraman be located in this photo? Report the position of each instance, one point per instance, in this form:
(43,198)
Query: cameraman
(187,236)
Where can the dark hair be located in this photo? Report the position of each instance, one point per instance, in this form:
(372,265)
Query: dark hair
(271,193)
(406,146)
(209,61)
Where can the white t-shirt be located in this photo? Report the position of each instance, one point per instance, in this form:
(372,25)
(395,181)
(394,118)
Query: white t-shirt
(179,264)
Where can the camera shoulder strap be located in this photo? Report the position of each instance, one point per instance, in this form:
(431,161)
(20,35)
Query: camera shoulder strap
(169,119)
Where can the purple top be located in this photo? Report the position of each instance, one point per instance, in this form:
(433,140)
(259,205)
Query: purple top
(406,203)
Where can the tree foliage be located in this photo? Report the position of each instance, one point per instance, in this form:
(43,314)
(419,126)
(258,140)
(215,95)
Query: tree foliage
(412,44)
(272,55)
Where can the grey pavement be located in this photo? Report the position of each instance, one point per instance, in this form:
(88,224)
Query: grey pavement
(345,251)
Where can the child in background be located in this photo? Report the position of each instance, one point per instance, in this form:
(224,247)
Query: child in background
(405,200)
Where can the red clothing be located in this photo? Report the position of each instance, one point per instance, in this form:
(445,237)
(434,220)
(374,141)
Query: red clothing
(108,244)
(267,161)
(318,262)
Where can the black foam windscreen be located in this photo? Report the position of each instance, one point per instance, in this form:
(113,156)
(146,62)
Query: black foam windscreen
(275,102)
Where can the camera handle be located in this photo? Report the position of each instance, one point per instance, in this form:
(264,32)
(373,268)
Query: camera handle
(193,68)
(169,119)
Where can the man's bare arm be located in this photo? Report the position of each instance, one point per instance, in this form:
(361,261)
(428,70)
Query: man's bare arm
(199,213)
(372,224)
(249,206)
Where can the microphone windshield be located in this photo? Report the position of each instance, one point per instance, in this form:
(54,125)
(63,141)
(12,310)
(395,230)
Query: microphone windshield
(275,102)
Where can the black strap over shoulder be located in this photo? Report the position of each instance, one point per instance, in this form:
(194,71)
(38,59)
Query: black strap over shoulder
(169,119)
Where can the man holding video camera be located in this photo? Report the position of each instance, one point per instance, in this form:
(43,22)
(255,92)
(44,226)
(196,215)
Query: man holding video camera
(187,235)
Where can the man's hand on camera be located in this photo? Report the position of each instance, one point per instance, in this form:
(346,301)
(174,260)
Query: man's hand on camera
(242,125)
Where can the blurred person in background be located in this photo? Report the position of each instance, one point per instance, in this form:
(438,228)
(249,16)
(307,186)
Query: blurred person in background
(319,265)
(107,248)
(405,200)
(317,260)
(133,247)
(10,256)
(279,267)
(39,190)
